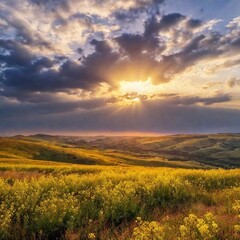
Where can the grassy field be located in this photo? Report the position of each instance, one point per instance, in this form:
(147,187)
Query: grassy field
(56,189)
(60,201)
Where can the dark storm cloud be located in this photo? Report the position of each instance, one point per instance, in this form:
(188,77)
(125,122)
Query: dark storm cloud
(134,45)
(153,26)
(155,116)
(29,73)
(49,107)
(127,16)
(36,77)
(170,20)
(48,104)
(236,43)
(194,23)
(202,46)
(199,48)
(16,53)
(31,78)
(26,72)
(192,100)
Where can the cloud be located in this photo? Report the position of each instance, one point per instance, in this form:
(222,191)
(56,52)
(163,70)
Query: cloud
(233,82)
(69,27)
(225,65)
(211,84)
(192,100)
(135,45)
(235,23)
(231,63)
(194,23)
(51,106)
(109,59)
(103,8)
(56,55)
(28,72)
(69,76)
(155,116)
(153,26)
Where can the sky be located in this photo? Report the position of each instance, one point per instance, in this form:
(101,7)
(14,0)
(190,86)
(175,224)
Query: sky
(119,67)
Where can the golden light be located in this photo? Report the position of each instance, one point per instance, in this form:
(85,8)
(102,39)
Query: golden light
(138,87)
(132,93)
(136,100)
(130,101)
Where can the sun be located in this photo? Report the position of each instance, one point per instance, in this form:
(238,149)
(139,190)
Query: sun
(136,100)
(134,92)
(138,87)
(130,101)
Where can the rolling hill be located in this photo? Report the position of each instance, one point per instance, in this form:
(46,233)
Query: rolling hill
(188,151)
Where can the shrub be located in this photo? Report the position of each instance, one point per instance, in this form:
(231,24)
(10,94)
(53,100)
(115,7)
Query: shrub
(236,208)
(148,231)
(195,228)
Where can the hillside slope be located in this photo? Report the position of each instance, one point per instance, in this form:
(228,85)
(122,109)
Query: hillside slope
(19,149)
(219,150)
(188,151)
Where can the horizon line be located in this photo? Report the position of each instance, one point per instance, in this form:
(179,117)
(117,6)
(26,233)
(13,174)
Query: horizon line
(109,134)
